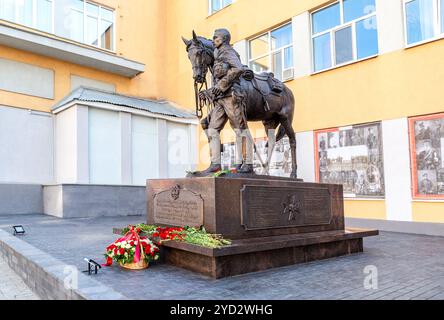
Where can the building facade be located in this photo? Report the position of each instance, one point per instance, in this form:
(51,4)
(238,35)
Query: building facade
(366,76)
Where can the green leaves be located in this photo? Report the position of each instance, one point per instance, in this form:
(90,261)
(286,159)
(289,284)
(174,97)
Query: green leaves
(201,238)
(190,235)
(221,173)
(146,229)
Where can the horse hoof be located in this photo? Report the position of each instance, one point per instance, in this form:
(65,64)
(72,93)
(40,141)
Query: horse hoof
(294,176)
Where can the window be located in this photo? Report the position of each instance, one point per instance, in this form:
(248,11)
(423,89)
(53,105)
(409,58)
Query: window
(22,12)
(44,15)
(216,5)
(106,28)
(353,157)
(427,151)
(69,19)
(92,24)
(424,20)
(77,20)
(343,32)
(273,52)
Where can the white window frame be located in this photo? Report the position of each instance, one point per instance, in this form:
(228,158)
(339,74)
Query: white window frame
(210,6)
(272,52)
(332,32)
(113,41)
(16,12)
(87,15)
(84,25)
(438,33)
(99,24)
(85,29)
(34,16)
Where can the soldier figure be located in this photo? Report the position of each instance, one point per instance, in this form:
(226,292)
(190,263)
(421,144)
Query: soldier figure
(229,105)
(426,186)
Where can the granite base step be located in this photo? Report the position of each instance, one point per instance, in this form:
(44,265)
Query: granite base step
(259,254)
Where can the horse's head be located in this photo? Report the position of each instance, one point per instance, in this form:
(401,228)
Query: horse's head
(200,52)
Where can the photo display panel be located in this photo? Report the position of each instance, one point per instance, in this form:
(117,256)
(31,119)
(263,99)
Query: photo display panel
(427,151)
(352,156)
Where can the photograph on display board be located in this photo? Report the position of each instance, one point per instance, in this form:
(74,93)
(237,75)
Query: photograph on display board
(280,164)
(228,156)
(427,148)
(352,156)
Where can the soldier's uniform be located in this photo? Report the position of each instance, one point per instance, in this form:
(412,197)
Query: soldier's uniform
(227,71)
(228,105)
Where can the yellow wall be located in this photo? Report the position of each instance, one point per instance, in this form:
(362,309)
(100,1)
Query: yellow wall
(379,89)
(368,209)
(398,84)
(428,211)
(62,73)
(139,37)
(244,19)
(394,85)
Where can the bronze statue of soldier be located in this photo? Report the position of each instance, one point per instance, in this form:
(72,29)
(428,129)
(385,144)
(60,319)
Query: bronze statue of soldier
(226,97)
(238,96)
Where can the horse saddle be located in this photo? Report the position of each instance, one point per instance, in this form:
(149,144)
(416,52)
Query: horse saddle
(264,82)
(274,85)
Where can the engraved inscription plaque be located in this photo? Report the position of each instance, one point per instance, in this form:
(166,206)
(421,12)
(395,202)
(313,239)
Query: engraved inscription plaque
(178,207)
(266,207)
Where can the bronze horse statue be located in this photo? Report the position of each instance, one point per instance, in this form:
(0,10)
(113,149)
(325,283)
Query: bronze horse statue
(262,104)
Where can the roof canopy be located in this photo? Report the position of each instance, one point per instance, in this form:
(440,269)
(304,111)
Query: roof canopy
(83,94)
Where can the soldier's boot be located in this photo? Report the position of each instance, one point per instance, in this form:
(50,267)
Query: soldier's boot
(238,167)
(247,164)
(215,150)
(246,168)
(213,168)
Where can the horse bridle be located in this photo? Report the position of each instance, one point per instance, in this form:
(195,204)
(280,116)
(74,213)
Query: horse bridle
(200,104)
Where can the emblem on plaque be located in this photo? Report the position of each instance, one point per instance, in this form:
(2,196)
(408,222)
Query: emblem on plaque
(270,207)
(293,207)
(175,192)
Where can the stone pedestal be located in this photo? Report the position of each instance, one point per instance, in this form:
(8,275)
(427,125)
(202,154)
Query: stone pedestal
(272,221)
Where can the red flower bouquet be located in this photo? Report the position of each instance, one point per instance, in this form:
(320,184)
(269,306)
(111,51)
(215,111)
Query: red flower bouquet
(132,251)
(169,233)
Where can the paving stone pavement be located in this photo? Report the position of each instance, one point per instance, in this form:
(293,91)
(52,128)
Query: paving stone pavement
(11,286)
(407,267)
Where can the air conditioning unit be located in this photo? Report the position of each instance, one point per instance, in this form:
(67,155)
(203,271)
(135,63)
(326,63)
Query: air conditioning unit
(288,74)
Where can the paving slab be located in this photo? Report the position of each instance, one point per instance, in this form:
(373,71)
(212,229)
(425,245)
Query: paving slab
(12,286)
(408,267)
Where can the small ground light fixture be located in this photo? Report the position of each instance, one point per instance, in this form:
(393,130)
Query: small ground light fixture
(18,230)
(92,266)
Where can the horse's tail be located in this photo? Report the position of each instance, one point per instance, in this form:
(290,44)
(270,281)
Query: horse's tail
(289,100)
(281,133)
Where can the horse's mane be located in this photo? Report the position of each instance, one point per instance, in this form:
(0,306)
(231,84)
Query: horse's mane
(207,43)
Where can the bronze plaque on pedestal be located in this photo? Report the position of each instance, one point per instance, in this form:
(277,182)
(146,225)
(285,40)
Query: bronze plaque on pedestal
(178,207)
(268,207)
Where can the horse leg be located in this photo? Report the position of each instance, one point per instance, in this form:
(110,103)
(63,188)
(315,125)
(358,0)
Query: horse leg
(270,128)
(233,109)
(292,137)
